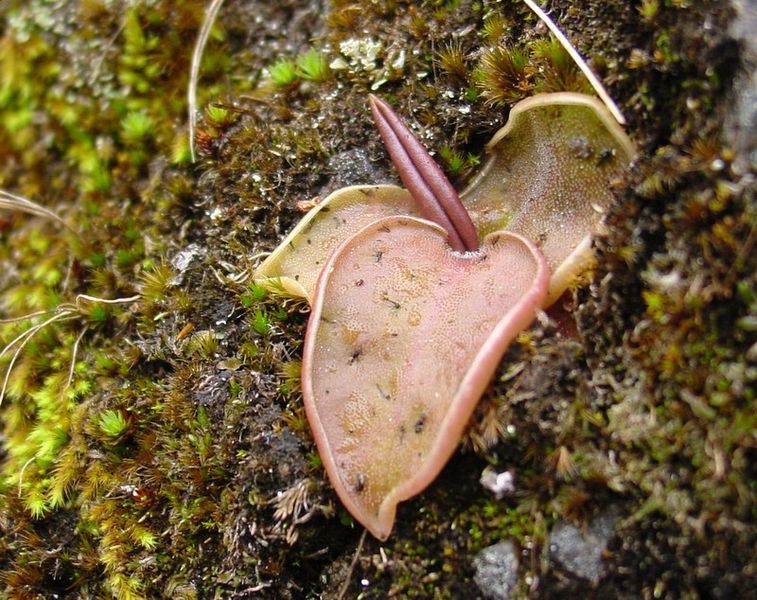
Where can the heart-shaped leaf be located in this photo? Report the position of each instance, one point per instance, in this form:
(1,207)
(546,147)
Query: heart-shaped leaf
(403,338)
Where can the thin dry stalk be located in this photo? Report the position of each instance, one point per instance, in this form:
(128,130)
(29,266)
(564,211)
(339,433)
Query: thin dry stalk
(11,201)
(351,570)
(64,312)
(72,366)
(24,339)
(593,79)
(210,17)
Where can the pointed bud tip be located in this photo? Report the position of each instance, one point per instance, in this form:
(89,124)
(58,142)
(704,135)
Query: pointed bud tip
(378,105)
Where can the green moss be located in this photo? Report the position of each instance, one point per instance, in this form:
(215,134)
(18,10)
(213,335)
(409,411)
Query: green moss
(313,66)
(283,73)
(457,163)
(113,423)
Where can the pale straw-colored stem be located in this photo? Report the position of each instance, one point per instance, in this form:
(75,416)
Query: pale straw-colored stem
(582,64)
(72,366)
(15,202)
(210,17)
(24,339)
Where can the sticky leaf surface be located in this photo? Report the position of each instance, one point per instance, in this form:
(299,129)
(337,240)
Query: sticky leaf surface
(550,177)
(403,338)
(298,260)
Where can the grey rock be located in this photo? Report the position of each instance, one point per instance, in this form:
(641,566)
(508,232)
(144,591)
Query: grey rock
(496,570)
(741,123)
(184,258)
(580,551)
(354,167)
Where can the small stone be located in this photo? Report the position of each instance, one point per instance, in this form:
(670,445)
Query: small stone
(579,553)
(184,258)
(496,571)
(500,484)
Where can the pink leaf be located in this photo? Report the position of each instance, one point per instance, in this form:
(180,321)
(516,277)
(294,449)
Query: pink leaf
(404,335)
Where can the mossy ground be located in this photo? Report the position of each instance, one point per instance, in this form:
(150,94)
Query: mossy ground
(159,448)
